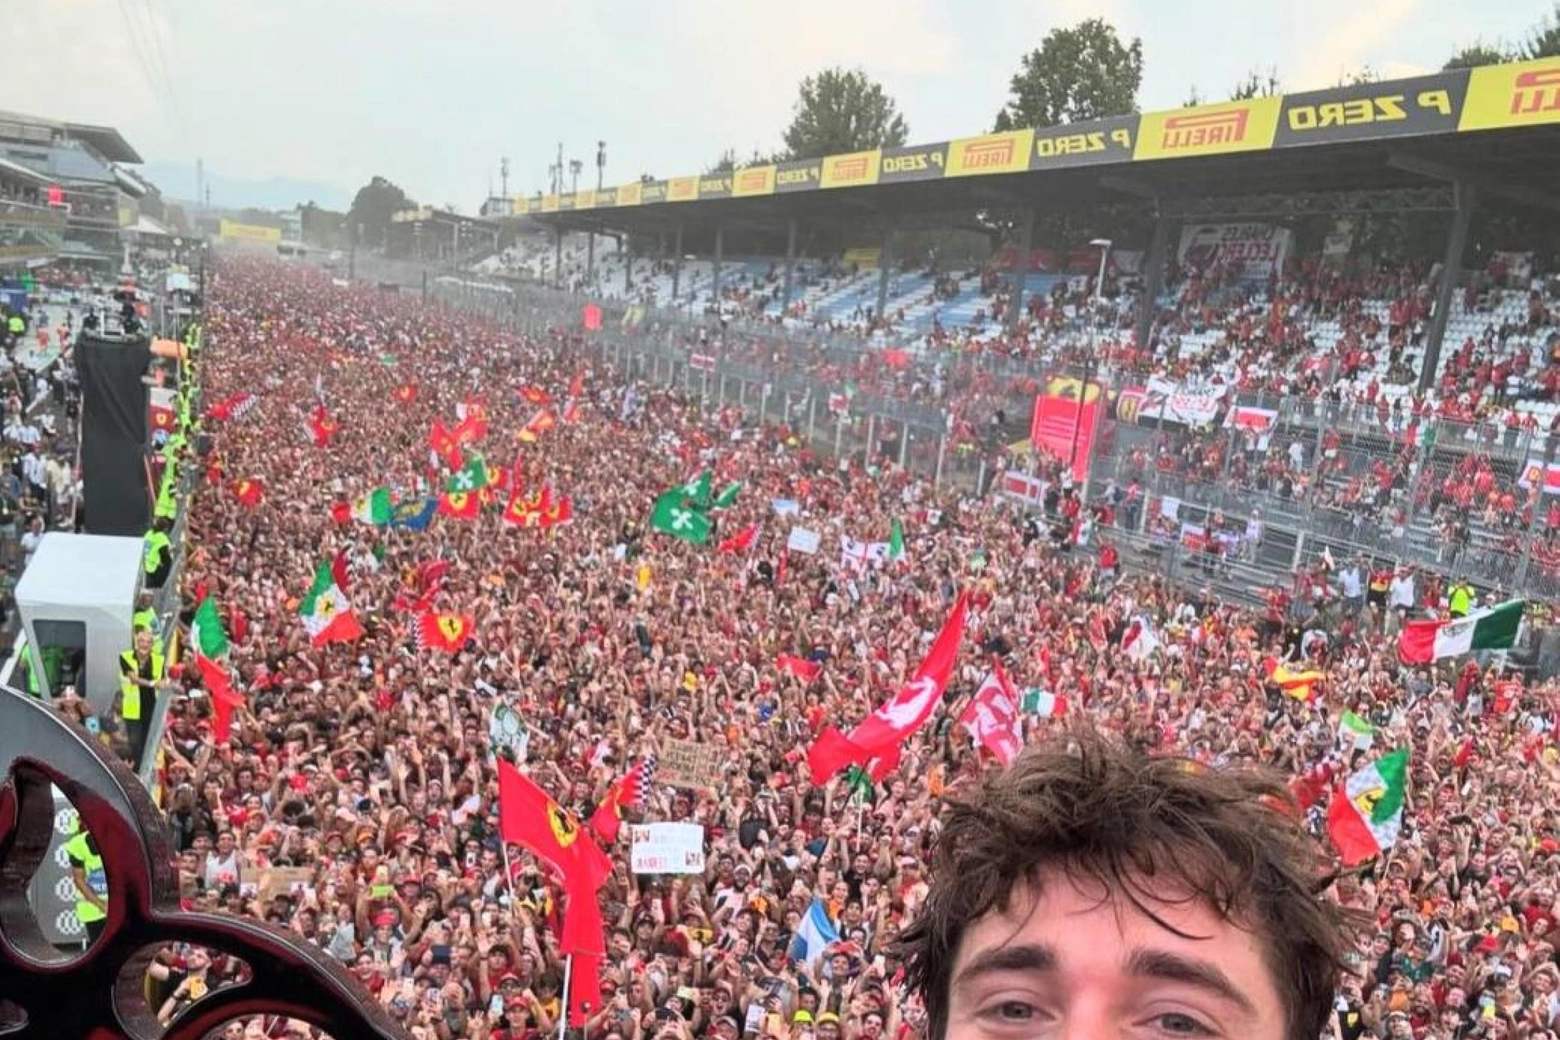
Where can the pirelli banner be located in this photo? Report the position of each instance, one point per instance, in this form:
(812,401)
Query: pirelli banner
(1497,97)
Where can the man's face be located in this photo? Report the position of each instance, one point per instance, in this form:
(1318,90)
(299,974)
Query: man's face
(1076,964)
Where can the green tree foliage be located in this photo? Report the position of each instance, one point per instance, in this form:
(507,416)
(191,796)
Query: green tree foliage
(1544,42)
(1077,73)
(842,110)
(324,227)
(373,206)
(1257,84)
(1479,53)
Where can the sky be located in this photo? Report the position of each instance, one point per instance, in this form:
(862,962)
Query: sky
(432,93)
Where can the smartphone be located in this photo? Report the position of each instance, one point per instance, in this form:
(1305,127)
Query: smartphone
(441,954)
(496,1005)
(380,891)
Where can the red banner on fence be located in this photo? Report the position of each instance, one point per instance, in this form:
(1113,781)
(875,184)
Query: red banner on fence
(592,317)
(1063,426)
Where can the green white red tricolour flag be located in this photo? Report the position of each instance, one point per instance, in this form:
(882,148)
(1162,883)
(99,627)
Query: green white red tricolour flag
(1366,813)
(1493,629)
(326,611)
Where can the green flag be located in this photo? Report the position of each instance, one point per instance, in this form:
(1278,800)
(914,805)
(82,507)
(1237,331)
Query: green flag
(206,630)
(697,491)
(728,495)
(674,516)
(859,781)
(374,507)
(471,478)
(896,541)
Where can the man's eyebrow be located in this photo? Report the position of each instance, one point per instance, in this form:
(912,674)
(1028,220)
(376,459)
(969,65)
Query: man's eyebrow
(1030,957)
(1171,967)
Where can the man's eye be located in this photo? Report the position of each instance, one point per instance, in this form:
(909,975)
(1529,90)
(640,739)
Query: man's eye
(1012,1011)
(1175,1023)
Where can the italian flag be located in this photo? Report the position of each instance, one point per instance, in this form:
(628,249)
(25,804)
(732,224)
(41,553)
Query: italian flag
(206,631)
(374,507)
(326,612)
(1355,732)
(1366,813)
(1491,629)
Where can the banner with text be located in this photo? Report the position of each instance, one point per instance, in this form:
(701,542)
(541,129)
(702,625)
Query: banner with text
(666,848)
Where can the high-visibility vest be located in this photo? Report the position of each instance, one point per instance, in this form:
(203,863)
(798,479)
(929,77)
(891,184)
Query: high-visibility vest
(146,619)
(83,855)
(129,691)
(1461,599)
(157,545)
(16,325)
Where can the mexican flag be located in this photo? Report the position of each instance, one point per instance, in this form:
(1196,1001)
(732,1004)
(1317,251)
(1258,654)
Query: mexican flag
(1366,813)
(374,508)
(327,613)
(1492,629)
(206,631)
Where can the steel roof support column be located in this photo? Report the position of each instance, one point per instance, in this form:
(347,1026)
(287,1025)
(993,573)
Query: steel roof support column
(1020,274)
(885,261)
(590,260)
(720,252)
(1153,279)
(557,256)
(1451,273)
(676,263)
(790,266)
(628,269)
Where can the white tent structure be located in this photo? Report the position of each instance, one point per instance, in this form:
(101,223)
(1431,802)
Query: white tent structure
(78,594)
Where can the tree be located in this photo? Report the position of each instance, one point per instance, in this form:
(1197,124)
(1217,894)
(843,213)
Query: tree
(373,206)
(1545,40)
(839,110)
(1361,77)
(1194,98)
(1078,73)
(725,164)
(1257,85)
(1478,53)
(323,227)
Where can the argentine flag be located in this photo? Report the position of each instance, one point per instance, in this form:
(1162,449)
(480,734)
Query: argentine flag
(814,935)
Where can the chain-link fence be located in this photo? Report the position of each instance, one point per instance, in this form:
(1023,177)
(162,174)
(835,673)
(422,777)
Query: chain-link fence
(1279,481)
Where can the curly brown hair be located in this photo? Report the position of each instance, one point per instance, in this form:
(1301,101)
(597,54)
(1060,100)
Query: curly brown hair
(1091,808)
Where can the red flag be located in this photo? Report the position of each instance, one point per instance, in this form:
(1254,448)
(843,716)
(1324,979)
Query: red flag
(472,428)
(992,716)
(444,445)
(321,427)
(742,541)
(447,632)
(341,570)
(534,395)
(249,493)
(224,699)
(528,817)
(800,667)
(628,790)
(571,412)
(577,385)
(539,424)
(464,505)
(878,737)
(406,393)
(341,512)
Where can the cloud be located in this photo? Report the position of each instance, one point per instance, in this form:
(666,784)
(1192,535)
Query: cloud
(1348,40)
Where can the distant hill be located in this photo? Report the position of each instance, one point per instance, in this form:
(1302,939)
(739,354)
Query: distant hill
(177,181)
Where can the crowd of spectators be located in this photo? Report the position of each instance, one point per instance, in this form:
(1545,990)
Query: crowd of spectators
(356,804)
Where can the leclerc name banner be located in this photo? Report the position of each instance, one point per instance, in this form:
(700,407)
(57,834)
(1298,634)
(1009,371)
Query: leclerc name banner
(1495,97)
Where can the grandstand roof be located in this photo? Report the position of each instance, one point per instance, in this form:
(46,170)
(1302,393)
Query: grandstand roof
(1497,126)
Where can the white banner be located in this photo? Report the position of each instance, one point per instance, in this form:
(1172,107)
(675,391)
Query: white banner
(1255,251)
(803,541)
(1020,485)
(1177,403)
(666,848)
